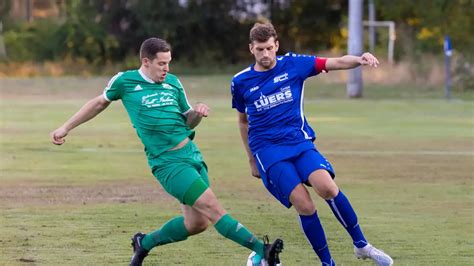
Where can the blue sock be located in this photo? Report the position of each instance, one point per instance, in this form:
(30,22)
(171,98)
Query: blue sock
(314,232)
(342,209)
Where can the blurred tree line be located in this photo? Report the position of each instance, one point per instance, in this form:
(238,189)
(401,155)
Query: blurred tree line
(216,31)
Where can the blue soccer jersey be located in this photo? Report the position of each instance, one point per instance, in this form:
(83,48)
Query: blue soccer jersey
(273,102)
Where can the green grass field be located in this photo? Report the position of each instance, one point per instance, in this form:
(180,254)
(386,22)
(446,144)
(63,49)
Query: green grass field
(403,155)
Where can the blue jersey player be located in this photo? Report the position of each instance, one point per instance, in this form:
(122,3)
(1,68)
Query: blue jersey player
(268,96)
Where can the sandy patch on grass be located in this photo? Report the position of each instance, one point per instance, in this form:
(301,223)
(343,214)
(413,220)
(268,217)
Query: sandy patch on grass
(18,194)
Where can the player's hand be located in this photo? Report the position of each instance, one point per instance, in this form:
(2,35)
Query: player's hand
(201,109)
(254,169)
(367,59)
(58,136)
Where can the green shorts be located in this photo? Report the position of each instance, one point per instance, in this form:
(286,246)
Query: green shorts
(182,173)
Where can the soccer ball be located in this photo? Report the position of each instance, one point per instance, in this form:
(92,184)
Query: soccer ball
(262,262)
(251,261)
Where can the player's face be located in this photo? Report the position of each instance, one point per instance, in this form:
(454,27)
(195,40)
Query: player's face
(158,67)
(264,53)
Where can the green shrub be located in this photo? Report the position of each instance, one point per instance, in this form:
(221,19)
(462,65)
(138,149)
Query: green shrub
(36,42)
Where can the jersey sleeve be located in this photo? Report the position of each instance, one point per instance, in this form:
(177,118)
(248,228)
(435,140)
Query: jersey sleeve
(183,102)
(237,99)
(306,65)
(114,89)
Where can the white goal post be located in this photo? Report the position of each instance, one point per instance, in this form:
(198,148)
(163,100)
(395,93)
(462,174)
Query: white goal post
(3,52)
(391,34)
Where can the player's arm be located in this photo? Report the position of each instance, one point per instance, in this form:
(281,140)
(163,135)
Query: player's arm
(87,112)
(351,61)
(195,115)
(244,128)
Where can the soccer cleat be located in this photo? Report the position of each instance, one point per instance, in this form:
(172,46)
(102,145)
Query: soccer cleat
(139,253)
(272,251)
(370,252)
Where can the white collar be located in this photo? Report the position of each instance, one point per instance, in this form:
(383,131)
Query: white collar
(145,77)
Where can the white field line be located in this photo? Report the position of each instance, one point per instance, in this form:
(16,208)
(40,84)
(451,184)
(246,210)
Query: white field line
(416,152)
(335,152)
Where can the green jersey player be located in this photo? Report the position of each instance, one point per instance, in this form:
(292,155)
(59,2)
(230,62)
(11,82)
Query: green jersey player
(164,120)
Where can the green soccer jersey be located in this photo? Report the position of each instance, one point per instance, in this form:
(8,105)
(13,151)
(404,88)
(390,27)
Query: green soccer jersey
(156,110)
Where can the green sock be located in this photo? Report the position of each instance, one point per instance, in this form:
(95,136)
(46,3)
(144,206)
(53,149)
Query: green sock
(172,231)
(235,231)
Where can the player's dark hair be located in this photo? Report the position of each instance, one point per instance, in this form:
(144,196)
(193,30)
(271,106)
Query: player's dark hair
(262,32)
(151,46)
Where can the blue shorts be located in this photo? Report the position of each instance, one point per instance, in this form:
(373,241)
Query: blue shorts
(283,176)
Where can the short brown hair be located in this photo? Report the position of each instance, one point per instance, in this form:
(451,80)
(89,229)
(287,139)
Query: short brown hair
(262,32)
(151,46)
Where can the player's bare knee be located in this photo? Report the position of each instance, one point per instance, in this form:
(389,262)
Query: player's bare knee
(307,210)
(328,192)
(304,207)
(198,226)
(202,226)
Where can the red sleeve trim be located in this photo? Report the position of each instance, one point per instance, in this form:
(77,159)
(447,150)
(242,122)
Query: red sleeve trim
(320,64)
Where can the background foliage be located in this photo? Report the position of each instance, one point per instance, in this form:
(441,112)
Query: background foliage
(215,32)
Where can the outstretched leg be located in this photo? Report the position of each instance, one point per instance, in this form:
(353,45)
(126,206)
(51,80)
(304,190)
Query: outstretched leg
(190,186)
(325,187)
(310,223)
(285,184)
(227,226)
(177,229)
